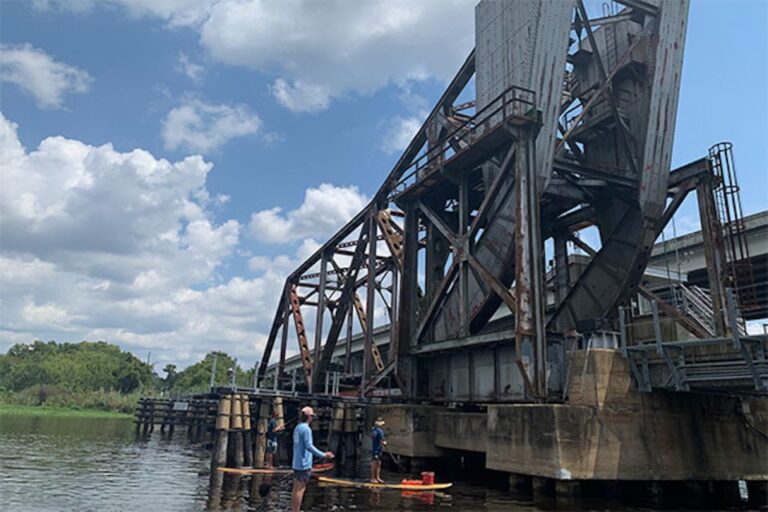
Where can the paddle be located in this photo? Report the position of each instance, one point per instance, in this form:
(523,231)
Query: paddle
(391,456)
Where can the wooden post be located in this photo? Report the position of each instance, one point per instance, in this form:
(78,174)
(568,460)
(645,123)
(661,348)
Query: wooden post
(247,440)
(236,433)
(278,404)
(350,436)
(222,428)
(261,433)
(336,432)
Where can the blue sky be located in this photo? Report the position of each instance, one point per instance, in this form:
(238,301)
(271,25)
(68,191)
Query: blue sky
(300,106)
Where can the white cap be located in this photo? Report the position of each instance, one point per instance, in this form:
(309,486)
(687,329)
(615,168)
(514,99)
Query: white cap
(308,411)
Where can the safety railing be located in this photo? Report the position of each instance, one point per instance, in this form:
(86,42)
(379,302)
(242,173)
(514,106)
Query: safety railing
(734,362)
(515,105)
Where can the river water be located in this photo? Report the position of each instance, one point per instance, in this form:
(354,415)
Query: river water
(99,464)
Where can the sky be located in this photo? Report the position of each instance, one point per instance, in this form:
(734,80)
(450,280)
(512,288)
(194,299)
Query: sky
(165,163)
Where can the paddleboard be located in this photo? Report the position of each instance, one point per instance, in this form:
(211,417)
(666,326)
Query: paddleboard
(369,485)
(319,468)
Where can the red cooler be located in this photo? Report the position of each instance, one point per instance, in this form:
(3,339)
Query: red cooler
(427,477)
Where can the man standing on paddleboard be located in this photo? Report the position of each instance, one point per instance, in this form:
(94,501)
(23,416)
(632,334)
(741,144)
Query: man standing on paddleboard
(303,450)
(378,444)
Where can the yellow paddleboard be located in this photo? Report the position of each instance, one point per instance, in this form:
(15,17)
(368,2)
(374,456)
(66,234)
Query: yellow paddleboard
(320,468)
(369,485)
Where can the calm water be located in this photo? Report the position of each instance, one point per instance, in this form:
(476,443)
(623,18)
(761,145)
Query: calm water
(99,464)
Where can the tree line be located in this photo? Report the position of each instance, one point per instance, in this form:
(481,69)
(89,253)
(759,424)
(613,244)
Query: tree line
(101,375)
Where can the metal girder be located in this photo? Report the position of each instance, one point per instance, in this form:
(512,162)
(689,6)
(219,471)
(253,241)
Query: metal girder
(301,335)
(393,235)
(362,317)
(341,309)
(489,279)
(482,189)
(626,135)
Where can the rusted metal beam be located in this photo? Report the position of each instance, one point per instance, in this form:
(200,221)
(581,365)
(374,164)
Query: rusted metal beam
(320,311)
(362,317)
(436,299)
(625,134)
(284,337)
(342,306)
(301,335)
(369,301)
(489,279)
(393,235)
(439,223)
(650,7)
(642,37)
(714,252)
(281,307)
(490,196)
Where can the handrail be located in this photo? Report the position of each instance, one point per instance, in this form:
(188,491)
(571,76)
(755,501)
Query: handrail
(522,100)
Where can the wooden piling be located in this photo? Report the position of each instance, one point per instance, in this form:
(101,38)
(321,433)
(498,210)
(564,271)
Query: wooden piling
(261,433)
(350,436)
(336,431)
(222,429)
(236,436)
(278,404)
(247,438)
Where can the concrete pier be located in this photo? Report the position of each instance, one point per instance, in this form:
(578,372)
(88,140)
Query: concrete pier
(605,430)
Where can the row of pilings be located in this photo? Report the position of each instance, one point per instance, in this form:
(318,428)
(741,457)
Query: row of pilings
(234,425)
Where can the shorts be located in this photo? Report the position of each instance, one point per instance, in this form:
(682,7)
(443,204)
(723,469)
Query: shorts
(302,475)
(376,456)
(271,446)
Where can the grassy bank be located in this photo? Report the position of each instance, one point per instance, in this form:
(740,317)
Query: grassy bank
(56,411)
(59,397)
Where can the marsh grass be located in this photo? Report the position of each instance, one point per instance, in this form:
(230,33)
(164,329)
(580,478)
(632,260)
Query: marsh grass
(47,397)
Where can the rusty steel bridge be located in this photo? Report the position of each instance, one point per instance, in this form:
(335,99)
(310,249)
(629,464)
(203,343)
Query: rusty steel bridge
(459,280)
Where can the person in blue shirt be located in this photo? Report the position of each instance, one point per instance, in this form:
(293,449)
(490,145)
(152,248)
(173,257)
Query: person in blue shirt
(378,444)
(303,450)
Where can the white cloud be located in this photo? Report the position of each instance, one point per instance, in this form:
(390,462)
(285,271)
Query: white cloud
(324,210)
(39,75)
(301,97)
(98,244)
(201,126)
(176,13)
(316,51)
(283,263)
(399,132)
(192,70)
(122,247)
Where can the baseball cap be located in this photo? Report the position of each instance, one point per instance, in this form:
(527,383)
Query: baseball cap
(308,411)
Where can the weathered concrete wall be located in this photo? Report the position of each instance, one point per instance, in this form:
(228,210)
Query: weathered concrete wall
(462,431)
(606,431)
(410,429)
(610,431)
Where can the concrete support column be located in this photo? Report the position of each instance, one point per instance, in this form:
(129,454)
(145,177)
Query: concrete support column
(758,493)
(542,487)
(567,488)
(519,484)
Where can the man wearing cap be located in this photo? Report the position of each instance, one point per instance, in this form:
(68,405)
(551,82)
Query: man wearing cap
(378,444)
(303,450)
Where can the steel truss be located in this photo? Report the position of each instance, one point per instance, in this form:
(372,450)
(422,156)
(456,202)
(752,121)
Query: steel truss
(579,134)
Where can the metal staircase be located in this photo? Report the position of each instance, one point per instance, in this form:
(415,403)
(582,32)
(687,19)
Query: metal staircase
(734,363)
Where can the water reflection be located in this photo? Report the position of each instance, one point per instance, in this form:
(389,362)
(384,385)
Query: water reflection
(99,464)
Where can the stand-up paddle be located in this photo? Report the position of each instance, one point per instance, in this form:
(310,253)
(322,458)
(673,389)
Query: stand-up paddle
(397,462)
(317,468)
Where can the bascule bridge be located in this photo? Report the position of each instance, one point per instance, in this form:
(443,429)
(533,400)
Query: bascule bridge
(497,287)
